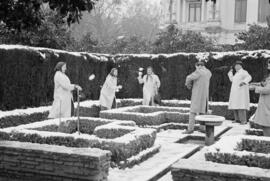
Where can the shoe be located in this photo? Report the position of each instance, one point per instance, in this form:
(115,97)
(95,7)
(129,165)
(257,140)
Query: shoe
(188,132)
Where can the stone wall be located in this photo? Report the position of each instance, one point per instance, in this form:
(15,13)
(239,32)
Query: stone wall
(193,170)
(29,161)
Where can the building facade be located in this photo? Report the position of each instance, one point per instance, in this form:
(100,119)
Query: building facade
(220,20)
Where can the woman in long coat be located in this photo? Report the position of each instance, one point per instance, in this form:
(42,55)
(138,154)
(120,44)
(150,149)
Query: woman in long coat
(63,100)
(151,84)
(262,114)
(239,95)
(107,93)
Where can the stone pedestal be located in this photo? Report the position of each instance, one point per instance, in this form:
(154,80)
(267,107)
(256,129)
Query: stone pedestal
(210,121)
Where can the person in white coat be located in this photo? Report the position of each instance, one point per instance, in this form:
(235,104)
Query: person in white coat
(107,94)
(151,84)
(239,96)
(63,100)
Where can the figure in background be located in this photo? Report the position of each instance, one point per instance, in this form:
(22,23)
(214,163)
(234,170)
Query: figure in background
(262,114)
(107,94)
(239,95)
(151,84)
(198,81)
(63,100)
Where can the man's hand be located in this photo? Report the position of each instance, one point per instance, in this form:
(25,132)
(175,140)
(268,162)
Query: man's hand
(242,84)
(252,87)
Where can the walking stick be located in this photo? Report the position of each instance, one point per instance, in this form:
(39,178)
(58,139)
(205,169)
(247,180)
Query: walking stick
(78,111)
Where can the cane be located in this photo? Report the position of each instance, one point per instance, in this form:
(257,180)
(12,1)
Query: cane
(78,111)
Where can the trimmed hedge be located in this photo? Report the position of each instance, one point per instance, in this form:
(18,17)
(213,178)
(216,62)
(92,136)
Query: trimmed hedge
(92,109)
(261,161)
(251,151)
(259,146)
(256,132)
(146,115)
(122,147)
(30,115)
(112,131)
(26,73)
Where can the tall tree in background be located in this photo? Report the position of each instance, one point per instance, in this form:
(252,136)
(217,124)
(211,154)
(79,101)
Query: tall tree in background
(141,19)
(52,32)
(25,14)
(41,23)
(101,23)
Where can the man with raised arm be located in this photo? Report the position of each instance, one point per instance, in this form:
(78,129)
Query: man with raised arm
(198,81)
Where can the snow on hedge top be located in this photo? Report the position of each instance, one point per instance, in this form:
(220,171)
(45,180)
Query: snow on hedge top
(40,50)
(229,144)
(122,57)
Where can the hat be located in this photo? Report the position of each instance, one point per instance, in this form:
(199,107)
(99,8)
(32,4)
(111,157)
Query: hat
(238,62)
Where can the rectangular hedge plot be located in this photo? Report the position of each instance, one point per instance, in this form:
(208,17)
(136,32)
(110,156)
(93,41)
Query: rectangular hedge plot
(146,115)
(251,151)
(123,138)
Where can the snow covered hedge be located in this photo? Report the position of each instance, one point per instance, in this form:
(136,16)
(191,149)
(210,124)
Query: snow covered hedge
(91,109)
(122,146)
(252,151)
(26,73)
(256,132)
(24,116)
(146,115)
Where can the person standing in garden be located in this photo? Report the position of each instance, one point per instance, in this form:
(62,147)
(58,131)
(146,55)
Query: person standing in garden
(262,114)
(198,81)
(107,94)
(151,84)
(239,95)
(63,100)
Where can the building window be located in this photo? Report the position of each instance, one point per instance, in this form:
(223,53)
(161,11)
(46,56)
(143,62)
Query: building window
(194,12)
(240,11)
(264,10)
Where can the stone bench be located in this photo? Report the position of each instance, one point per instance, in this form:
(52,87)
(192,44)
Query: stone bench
(209,121)
(190,169)
(31,161)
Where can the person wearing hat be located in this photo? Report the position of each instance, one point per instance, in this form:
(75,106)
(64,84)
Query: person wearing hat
(198,81)
(239,94)
(63,100)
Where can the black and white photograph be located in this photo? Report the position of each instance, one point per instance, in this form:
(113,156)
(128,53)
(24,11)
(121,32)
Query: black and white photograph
(134,90)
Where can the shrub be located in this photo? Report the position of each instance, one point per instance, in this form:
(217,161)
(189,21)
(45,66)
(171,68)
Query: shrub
(256,132)
(144,115)
(112,131)
(251,151)
(33,72)
(122,147)
(259,146)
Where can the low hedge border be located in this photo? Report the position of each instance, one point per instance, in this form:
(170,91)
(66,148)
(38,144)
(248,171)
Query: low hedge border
(91,109)
(241,150)
(196,170)
(31,115)
(166,126)
(156,115)
(137,159)
(121,147)
(256,132)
